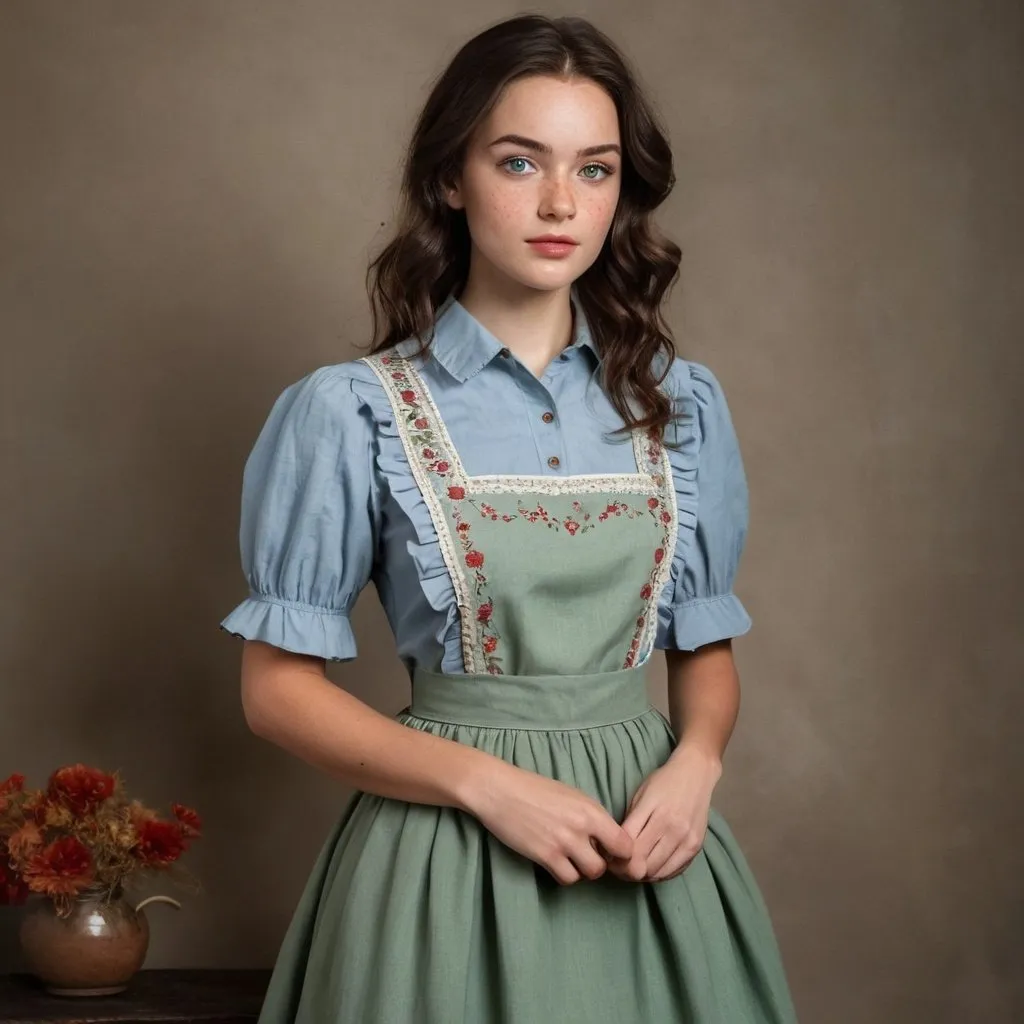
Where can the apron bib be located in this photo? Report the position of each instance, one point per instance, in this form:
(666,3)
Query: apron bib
(553,575)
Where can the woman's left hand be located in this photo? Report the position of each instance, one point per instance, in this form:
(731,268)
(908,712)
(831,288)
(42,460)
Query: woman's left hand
(668,817)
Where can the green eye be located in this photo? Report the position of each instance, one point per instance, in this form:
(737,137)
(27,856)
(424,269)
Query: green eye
(516,160)
(596,167)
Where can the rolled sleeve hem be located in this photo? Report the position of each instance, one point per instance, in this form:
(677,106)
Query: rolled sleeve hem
(320,632)
(703,621)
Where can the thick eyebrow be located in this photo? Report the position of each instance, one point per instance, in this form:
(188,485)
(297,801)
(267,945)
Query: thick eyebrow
(541,147)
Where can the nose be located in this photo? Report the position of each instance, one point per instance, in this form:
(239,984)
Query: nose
(557,200)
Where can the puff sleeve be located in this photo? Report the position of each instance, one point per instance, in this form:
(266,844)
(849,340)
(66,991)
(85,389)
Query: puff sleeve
(309,519)
(698,606)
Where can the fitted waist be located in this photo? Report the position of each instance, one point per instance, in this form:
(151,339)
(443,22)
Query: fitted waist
(530,702)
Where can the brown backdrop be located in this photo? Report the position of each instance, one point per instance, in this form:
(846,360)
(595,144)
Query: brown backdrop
(190,191)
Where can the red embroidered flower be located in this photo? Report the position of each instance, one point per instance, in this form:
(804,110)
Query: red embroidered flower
(408,396)
(397,375)
(420,423)
(659,555)
(645,591)
(385,359)
(428,453)
(462,527)
(474,559)
(571,527)
(652,502)
(456,494)
(442,468)
(490,643)
(666,517)
(483,613)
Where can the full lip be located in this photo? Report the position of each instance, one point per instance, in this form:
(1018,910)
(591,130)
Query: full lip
(564,239)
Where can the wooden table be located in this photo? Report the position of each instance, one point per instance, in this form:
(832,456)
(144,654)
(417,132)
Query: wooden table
(152,997)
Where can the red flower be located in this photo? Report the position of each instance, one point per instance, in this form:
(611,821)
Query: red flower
(483,613)
(666,517)
(420,423)
(474,559)
(456,493)
(13,890)
(408,396)
(397,375)
(191,823)
(490,643)
(160,842)
(462,527)
(13,783)
(659,555)
(442,468)
(652,502)
(571,527)
(80,788)
(645,591)
(428,453)
(62,867)
(385,359)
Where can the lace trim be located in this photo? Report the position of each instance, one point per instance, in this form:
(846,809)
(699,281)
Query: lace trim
(591,483)
(647,624)
(391,379)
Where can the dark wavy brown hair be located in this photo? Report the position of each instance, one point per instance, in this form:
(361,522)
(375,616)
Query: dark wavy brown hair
(622,292)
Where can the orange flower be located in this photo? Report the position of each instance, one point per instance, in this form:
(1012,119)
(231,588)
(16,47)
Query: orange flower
(191,824)
(160,842)
(80,788)
(61,868)
(23,840)
(36,806)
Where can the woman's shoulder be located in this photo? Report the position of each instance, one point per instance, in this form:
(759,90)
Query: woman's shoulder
(341,388)
(688,380)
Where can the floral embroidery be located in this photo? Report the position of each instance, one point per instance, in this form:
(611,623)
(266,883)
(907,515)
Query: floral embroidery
(449,491)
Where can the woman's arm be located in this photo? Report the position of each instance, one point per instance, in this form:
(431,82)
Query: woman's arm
(288,700)
(703,699)
(668,815)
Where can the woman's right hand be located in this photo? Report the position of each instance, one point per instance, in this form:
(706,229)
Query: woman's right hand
(551,823)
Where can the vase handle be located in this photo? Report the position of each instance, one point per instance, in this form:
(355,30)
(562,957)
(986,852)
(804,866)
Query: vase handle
(158,899)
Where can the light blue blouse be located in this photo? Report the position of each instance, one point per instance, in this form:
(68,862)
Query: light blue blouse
(329,501)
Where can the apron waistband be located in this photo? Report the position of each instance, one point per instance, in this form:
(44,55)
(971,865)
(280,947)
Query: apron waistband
(530,702)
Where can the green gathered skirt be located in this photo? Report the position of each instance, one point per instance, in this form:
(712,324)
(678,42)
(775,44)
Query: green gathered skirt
(416,914)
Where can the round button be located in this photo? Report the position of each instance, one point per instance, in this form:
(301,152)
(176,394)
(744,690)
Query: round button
(554,462)
(548,417)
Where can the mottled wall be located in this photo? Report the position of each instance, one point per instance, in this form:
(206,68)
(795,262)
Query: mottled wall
(190,191)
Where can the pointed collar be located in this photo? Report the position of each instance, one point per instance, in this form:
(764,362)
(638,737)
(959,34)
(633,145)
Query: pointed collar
(463,346)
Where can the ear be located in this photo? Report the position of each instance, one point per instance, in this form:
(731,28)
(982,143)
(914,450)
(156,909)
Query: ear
(453,194)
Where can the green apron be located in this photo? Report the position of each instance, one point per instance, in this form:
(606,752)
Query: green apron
(415,914)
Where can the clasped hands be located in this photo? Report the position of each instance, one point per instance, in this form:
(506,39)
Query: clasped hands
(667,818)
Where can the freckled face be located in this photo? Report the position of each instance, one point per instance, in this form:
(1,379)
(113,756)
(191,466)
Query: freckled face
(559,176)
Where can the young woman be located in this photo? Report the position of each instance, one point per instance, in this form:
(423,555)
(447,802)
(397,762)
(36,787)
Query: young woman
(542,493)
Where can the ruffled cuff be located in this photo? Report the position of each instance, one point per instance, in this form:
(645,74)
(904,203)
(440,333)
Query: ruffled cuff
(703,620)
(298,628)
